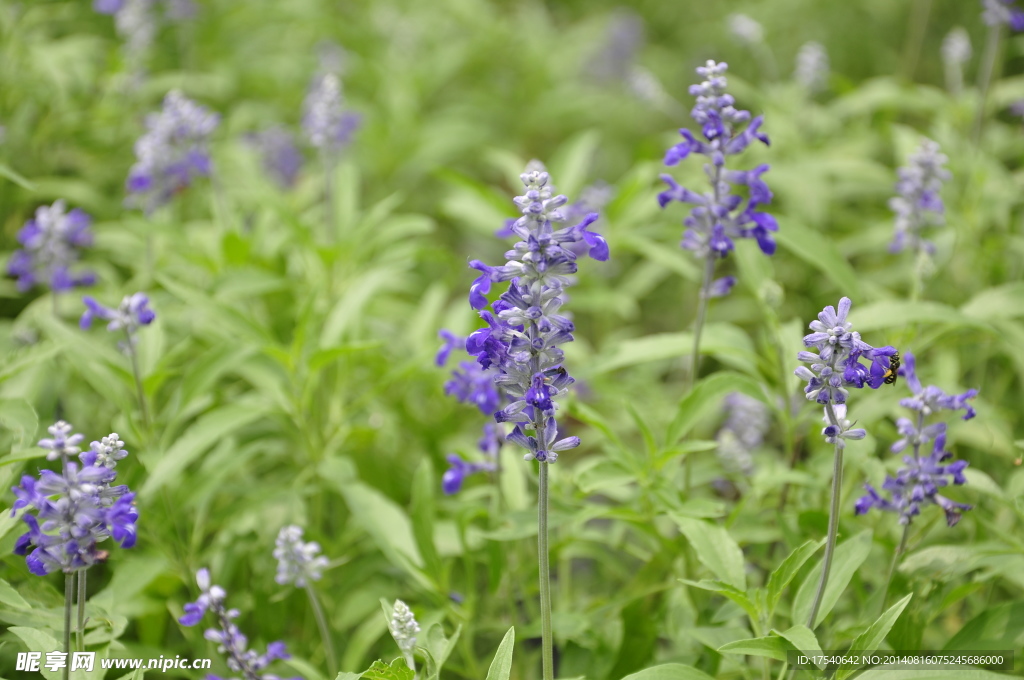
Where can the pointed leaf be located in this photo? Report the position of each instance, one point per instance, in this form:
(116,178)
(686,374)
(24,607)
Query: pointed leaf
(668,671)
(716,550)
(869,640)
(501,666)
(786,571)
(848,557)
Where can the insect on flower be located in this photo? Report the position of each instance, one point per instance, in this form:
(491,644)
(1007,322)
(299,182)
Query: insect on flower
(894,365)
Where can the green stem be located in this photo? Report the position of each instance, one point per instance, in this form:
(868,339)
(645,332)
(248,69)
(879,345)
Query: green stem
(698,329)
(69,594)
(329,213)
(833,521)
(325,633)
(138,377)
(915,36)
(988,68)
(547,647)
(80,630)
(895,563)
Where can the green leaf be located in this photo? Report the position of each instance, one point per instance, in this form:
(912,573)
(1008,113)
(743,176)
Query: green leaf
(668,671)
(727,343)
(716,550)
(18,417)
(398,670)
(385,522)
(994,304)
(10,597)
(771,646)
(999,627)
(820,252)
(573,160)
(937,674)
(501,665)
(870,639)
(342,675)
(204,433)
(438,648)
(848,557)
(900,313)
(6,171)
(738,596)
(705,397)
(422,510)
(802,638)
(40,641)
(785,572)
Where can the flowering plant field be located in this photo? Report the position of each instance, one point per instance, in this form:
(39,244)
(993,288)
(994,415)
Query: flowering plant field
(512,340)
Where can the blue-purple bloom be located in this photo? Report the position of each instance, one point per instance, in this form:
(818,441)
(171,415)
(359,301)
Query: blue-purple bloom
(172,153)
(281,157)
(50,245)
(718,217)
(70,513)
(812,67)
(328,126)
(130,315)
(230,641)
(838,432)
(918,484)
(524,329)
(470,383)
(995,12)
(918,204)
(455,475)
(837,365)
(919,481)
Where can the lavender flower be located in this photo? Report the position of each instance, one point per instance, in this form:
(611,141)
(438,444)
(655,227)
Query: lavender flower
(743,432)
(281,158)
(454,476)
(470,383)
(230,641)
(919,481)
(172,153)
(404,630)
(51,244)
(328,126)
(718,217)
(63,444)
(75,510)
(525,330)
(837,365)
(297,562)
(995,12)
(838,432)
(918,484)
(130,315)
(918,204)
(812,67)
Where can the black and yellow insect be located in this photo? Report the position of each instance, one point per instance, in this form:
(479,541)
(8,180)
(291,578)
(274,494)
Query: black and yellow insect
(894,365)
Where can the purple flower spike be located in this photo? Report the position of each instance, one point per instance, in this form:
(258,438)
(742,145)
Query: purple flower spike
(719,217)
(931,399)
(51,243)
(281,157)
(918,205)
(230,640)
(130,315)
(172,153)
(995,12)
(70,513)
(328,126)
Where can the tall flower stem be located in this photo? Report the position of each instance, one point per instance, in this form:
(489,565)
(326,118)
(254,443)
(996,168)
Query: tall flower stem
(833,521)
(702,313)
(895,563)
(325,634)
(69,594)
(988,68)
(547,648)
(80,629)
(915,36)
(330,217)
(140,391)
